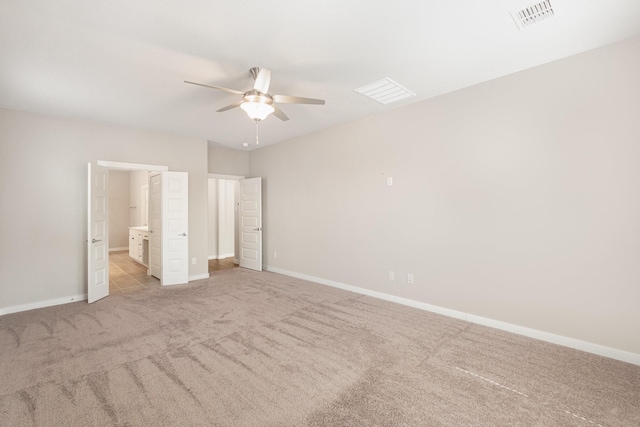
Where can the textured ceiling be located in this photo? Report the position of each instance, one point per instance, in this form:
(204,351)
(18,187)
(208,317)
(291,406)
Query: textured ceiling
(124,62)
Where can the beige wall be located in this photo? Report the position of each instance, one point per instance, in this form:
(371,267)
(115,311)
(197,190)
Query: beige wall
(138,179)
(43,179)
(227,161)
(119,209)
(517,200)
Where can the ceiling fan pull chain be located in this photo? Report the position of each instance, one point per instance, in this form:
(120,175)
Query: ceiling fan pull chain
(257,127)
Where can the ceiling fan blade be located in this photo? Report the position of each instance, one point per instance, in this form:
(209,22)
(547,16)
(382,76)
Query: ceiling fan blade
(230,106)
(262,81)
(237,92)
(279,113)
(286,99)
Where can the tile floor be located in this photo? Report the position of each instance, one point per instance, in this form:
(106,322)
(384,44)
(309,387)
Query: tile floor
(126,275)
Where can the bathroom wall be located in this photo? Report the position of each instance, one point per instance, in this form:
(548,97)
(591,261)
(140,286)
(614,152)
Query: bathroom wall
(118,209)
(136,197)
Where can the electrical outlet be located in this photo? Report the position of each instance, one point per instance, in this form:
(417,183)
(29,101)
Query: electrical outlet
(275,254)
(392,275)
(193,261)
(389,181)
(410,278)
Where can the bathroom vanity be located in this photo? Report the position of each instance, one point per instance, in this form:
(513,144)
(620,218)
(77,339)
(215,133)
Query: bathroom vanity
(139,244)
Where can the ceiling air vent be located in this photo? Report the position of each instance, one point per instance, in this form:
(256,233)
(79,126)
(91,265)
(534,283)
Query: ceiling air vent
(533,14)
(385,91)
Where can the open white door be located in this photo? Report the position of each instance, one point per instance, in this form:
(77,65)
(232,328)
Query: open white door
(98,233)
(251,223)
(175,225)
(155,225)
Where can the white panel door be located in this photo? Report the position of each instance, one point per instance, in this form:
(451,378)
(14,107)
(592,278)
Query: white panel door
(251,223)
(175,227)
(155,225)
(97,233)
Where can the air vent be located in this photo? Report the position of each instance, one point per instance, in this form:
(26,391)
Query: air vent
(533,14)
(385,91)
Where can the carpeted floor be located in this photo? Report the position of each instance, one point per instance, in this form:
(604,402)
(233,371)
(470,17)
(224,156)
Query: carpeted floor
(259,349)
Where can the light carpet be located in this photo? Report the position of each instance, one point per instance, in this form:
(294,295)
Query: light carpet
(260,349)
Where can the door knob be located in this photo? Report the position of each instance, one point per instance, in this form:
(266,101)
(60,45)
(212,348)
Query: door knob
(183,234)
(257,229)
(94,240)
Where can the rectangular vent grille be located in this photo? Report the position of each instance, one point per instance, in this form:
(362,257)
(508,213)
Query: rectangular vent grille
(533,14)
(385,91)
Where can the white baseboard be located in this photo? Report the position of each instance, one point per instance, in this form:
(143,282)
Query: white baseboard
(42,304)
(126,248)
(588,347)
(223,256)
(199,277)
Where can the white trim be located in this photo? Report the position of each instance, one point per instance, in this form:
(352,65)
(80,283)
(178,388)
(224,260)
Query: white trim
(223,256)
(199,277)
(126,248)
(229,177)
(588,347)
(42,304)
(131,166)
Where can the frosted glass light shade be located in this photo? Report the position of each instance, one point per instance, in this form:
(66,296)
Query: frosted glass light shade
(257,110)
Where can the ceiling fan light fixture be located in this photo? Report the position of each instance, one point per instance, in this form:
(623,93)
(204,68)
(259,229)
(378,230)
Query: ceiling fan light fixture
(257,110)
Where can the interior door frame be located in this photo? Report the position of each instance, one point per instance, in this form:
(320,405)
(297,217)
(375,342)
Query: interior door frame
(236,229)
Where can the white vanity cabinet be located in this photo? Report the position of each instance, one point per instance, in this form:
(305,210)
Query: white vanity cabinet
(139,244)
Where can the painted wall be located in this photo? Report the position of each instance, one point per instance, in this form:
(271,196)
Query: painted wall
(517,200)
(227,161)
(43,170)
(138,180)
(119,209)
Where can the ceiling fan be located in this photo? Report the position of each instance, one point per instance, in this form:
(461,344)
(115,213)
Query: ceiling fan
(257,102)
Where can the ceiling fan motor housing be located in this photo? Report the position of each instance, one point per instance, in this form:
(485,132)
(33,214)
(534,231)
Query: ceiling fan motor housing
(255,96)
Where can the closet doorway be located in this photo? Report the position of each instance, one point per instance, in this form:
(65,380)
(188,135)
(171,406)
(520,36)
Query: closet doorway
(223,221)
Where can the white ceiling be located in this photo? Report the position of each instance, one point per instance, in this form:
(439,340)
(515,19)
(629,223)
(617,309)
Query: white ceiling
(124,61)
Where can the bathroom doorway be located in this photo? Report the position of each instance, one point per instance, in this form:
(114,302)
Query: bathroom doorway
(128,208)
